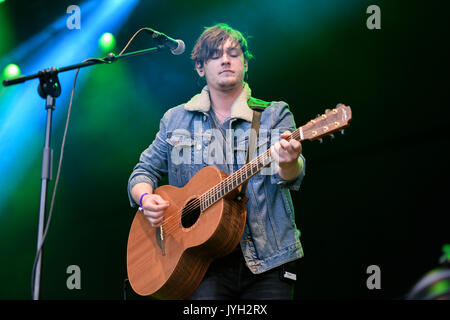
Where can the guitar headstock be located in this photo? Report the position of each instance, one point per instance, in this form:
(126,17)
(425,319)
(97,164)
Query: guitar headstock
(331,121)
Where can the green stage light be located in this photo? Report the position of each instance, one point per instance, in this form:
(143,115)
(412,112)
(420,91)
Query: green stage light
(446,251)
(11,71)
(107,42)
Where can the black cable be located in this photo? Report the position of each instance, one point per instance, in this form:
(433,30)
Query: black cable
(125,285)
(56,184)
(47,224)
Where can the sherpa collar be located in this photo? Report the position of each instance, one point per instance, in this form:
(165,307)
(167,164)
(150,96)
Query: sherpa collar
(239,109)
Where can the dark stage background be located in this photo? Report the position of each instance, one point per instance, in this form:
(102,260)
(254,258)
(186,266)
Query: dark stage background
(375,196)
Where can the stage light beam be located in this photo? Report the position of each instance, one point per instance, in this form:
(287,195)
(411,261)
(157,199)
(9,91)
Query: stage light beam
(21,112)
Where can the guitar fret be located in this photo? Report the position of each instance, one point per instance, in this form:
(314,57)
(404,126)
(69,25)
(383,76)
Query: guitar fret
(237,178)
(203,203)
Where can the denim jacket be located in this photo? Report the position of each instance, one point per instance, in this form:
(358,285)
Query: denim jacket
(184,145)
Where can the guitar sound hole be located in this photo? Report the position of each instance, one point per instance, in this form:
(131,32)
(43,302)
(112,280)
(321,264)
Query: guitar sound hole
(190,213)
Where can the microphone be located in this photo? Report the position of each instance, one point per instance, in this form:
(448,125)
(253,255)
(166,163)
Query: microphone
(176,46)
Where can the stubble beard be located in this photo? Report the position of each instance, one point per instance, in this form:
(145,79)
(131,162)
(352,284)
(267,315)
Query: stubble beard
(230,84)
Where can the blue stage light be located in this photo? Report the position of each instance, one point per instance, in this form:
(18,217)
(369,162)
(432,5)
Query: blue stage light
(22,111)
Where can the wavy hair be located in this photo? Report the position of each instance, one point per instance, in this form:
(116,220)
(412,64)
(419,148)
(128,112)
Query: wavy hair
(212,38)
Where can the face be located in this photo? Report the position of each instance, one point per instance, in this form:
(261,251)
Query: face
(226,68)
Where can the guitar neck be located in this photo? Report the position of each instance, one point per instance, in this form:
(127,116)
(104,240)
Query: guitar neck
(240,176)
(325,124)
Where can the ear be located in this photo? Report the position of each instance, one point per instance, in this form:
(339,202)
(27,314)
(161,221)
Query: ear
(200,69)
(245,65)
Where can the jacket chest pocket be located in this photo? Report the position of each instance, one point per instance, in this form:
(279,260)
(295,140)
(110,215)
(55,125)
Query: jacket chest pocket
(181,147)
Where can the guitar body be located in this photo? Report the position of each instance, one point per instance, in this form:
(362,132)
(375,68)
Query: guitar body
(174,266)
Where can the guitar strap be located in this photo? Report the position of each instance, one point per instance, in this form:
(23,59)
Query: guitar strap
(252,142)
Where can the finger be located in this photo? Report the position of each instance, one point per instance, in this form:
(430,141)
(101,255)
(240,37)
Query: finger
(156,225)
(155,222)
(274,152)
(159,200)
(156,205)
(289,151)
(154,214)
(286,133)
(284,144)
(296,145)
(277,148)
(158,222)
(155,208)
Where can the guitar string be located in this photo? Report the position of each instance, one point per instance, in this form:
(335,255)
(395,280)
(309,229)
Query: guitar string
(215,192)
(219,189)
(210,194)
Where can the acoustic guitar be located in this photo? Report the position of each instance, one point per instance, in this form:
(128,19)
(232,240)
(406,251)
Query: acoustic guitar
(203,222)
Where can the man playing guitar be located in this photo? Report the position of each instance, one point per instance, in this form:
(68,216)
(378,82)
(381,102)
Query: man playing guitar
(213,129)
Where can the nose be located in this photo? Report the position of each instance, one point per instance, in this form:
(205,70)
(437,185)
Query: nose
(225,59)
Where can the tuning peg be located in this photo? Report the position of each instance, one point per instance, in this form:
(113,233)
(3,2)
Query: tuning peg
(320,140)
(342,132)
(332,136)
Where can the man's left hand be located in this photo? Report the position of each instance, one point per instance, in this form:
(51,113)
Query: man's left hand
(286,155)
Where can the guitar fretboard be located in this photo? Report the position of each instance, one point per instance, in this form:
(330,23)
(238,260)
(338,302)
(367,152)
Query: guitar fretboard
(238,177)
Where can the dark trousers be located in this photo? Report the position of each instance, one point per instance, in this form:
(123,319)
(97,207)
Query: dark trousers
(230,278)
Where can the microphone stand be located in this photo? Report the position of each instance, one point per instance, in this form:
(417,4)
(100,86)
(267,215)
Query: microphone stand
(49,89)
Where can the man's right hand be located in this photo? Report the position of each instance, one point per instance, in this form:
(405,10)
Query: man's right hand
(153,208)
